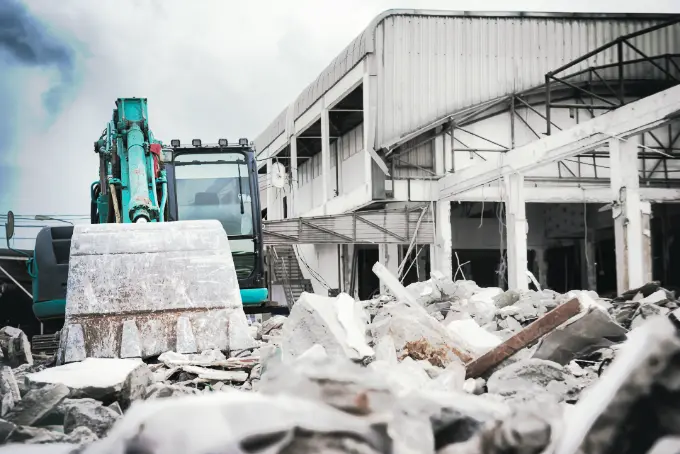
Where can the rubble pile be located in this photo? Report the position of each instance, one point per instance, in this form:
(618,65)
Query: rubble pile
(438,367)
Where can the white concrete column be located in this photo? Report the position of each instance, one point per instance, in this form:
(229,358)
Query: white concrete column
(448,154)
(388,256)
(439,164)
(441,252)
(293,176)
(325,156)
(272,207)
(516,224)
(589,249)
(631,217)
(369,87)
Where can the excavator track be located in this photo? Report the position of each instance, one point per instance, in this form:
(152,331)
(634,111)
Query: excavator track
(46,344)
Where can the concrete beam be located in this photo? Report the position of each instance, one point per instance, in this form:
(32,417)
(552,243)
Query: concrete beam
(634,118)
(566,194)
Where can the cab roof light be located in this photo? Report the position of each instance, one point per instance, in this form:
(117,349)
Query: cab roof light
(243,142)
(196,142)
(174,143)
(223,142)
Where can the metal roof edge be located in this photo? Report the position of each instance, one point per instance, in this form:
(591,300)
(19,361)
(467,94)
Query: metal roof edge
(372,26)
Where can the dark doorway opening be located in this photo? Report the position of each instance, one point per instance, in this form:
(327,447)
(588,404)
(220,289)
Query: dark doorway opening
(369,284)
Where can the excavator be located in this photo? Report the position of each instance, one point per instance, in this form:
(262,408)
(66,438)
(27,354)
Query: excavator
(172,258)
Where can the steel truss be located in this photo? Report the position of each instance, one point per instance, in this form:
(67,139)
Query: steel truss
(595,88)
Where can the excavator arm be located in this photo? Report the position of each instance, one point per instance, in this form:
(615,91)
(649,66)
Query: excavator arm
(138,286)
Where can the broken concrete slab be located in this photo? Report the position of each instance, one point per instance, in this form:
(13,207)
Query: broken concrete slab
(98,378)
(240,421)
(88,413)
(531,377)
(580,336)
(37,404)
(338,324)
(16,349)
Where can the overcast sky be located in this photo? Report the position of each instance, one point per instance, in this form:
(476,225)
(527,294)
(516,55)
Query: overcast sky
(209,68)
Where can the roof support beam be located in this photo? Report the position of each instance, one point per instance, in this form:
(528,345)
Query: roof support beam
(626,121)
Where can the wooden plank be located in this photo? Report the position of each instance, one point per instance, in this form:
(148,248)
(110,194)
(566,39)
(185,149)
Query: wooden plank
(531,333)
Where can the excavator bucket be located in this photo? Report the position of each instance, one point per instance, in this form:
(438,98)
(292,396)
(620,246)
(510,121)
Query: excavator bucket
(140,289)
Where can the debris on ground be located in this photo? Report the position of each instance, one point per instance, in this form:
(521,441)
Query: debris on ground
(438,367)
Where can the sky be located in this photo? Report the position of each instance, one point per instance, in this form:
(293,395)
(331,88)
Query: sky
(209,68)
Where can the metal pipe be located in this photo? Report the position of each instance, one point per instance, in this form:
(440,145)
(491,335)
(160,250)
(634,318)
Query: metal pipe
(16,282)
(164,195)
(139,185)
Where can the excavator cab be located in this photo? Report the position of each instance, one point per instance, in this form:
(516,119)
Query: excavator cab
(220,182)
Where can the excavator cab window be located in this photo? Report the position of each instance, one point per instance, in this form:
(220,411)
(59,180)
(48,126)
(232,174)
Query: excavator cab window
(216,186)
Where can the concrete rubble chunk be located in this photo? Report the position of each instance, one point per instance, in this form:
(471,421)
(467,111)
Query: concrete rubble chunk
(335,381)
(217,375)
(9,390)
(533,376)
(406,368)
(205,358)
(97,378)
(580,336)
(477,340)
(223,422)
(88,413)
(16,348)
(38,435)
(644,375)
(162,390)
(37,404)
(520,433)
(413,325)
(338,324)
(403,377)
(6,429)
(272,326)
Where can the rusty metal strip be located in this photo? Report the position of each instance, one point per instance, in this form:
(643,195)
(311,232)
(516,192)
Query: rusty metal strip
(534,331)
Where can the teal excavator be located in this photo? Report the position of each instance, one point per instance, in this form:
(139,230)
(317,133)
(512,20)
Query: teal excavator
(172,256)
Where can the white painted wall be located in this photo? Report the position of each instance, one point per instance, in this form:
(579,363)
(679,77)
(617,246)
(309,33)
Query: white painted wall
(323,260)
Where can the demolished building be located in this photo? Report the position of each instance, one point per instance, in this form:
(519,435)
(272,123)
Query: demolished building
(487,145)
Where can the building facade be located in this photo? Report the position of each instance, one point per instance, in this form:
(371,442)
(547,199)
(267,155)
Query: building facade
(480,126)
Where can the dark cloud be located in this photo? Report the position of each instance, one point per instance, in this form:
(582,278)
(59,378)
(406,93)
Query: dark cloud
(25,41)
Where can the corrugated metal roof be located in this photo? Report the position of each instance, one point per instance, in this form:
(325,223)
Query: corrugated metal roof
(573,32)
